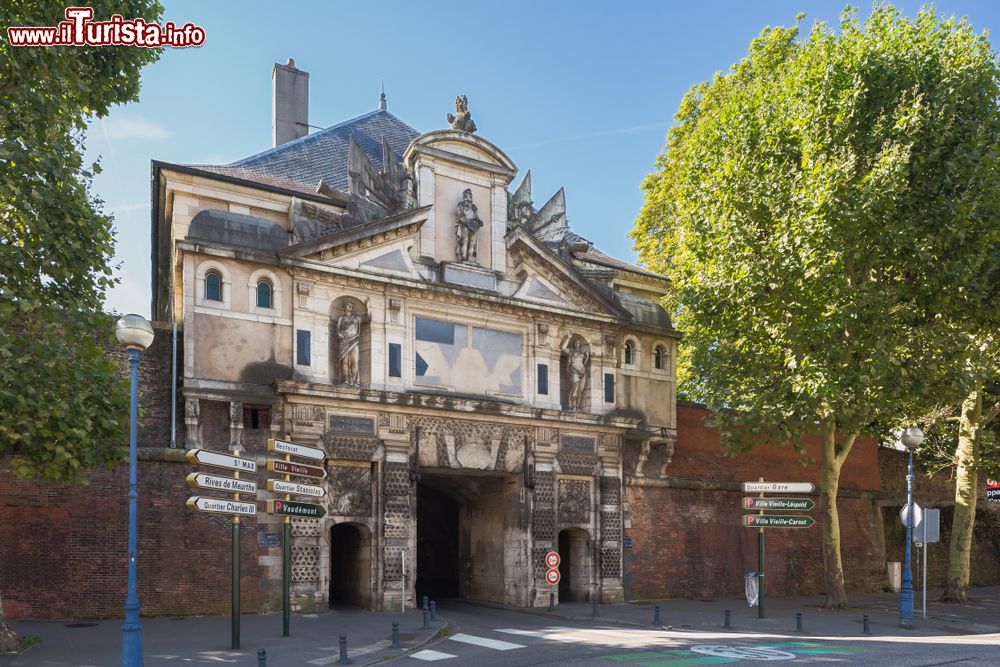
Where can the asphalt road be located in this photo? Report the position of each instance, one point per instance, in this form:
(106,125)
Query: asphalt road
(490,637)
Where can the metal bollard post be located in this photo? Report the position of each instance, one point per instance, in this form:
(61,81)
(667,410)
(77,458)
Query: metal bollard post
(728,619)
(343,650)
(656,615)
(434,609)
(426,617)
(395,634)
(261,658)
(798,621)
(867,629)
(552,601)
(425,603)
(593,608)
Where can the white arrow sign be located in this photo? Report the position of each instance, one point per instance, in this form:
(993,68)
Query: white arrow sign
(228,484)
(278,486)
(221,506)
(218,460)
(286,447)
(778,487)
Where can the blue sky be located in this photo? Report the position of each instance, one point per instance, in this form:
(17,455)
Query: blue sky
(581,93)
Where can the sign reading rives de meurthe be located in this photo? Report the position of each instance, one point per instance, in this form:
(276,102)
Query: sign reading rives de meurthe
(227,484)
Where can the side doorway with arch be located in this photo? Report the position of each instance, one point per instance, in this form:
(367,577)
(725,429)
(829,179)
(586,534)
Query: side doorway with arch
(350,565)
(575,566)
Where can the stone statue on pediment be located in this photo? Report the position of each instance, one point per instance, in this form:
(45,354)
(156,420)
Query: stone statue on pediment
(461,120)
(349,345)
(577,367)
(467,226)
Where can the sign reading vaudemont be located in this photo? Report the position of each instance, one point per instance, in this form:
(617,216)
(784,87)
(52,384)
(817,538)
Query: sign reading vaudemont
(778,487)
(285,447)
(292,508)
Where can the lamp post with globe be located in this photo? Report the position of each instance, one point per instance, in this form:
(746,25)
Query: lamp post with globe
(911,439)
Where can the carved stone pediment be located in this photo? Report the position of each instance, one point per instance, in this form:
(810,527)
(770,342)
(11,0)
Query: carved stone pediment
(448,443)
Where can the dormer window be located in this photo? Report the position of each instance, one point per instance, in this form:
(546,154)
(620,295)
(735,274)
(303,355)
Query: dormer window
(213,286)
(264,289)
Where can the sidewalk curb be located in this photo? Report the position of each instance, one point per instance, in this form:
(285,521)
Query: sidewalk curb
(447,627)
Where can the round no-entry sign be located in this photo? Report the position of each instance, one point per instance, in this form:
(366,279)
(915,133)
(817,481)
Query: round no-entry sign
(552,559)
(552,576)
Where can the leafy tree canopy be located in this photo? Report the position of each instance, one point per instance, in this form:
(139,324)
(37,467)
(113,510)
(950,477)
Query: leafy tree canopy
(63,401)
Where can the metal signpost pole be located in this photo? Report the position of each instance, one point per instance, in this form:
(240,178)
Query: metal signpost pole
(235,613)
(925,566)
(402,604)
(286,563)
(906,593)
(760,565)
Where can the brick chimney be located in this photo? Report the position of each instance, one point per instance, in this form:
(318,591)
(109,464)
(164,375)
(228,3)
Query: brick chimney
(289,103)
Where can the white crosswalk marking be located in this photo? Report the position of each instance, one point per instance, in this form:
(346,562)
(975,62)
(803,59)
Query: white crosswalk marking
(523,633)
(484,641)
(430,655)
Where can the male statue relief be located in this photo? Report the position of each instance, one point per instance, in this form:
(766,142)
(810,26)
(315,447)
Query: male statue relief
(349,340)
(467,226)
(577,358)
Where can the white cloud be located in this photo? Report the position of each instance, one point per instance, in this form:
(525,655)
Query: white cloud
(129,129)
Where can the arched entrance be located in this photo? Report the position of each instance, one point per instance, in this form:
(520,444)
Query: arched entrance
(574,552)
(350,564)
(437,544)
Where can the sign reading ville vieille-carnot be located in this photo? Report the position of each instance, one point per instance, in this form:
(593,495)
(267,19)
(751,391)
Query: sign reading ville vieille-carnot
(775,521)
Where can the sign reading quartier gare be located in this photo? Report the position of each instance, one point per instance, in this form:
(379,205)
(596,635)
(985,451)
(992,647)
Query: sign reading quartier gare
(468,370)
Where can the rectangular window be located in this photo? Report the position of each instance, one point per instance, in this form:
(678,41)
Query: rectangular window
(395,360)
(303,347)
(609,388)
(543,379)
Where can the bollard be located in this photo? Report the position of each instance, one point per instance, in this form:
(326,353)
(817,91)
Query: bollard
(728,619)
(425,603)
(261,658)
(395,634)
(552,601)
(867,629)
(798,621)
(656,615)
(343,650)
(434,609)
(426,617)
(593,608)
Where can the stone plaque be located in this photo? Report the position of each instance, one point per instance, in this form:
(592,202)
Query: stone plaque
(352,425)
(577,443)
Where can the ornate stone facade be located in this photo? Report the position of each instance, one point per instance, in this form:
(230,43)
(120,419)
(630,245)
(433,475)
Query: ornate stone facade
(452,349)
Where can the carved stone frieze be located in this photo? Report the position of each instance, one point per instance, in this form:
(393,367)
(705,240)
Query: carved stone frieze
(573,463)
(450,443)
(574,501)
(351,449)
(350,490)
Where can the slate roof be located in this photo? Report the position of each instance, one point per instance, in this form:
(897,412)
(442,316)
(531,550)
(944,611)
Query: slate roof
(299,165)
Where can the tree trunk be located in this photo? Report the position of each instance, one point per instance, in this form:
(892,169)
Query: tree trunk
(830,466)
(9,641)
(966,488)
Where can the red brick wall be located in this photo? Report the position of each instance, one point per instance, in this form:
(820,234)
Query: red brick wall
(689,541)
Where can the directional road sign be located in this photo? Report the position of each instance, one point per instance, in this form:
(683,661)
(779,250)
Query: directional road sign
(221,506)
(291,508)
(279,486)
(285,447)
(778,504)
(992,491)
(219,460)
(552,577)
(199,480)
(552,560)
(778,487)
(777,521)
(292,468)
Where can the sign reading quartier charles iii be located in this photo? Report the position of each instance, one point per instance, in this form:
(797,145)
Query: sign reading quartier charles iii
(776,521)
(778,504)
(778,487)
(279,486)
(221,506)
(218,460)
(285,447)
(291,508)
(228,484)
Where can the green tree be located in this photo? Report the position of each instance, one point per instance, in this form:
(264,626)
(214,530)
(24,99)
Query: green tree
(62,400)
(824,211)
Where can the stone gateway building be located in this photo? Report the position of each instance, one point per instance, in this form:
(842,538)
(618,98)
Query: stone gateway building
(481,378)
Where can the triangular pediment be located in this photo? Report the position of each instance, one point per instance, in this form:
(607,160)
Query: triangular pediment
(545,278)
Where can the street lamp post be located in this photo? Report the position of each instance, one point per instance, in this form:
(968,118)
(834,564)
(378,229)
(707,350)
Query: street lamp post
(911,439)
(135,333)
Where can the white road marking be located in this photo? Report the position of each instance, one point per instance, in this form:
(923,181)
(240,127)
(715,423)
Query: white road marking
(430,655)
(484,641)
(525,633)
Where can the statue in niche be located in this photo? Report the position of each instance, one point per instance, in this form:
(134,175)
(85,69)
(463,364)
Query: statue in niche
(578,360)
(349,345)
(467,226)
(462,119)
(192,423)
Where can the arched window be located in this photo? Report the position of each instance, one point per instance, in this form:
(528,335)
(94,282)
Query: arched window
(629,352)
(658,358)
(213,286)
(264,288)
